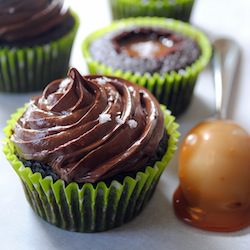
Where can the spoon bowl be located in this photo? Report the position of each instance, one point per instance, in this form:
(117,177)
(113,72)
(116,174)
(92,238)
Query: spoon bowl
(214,159)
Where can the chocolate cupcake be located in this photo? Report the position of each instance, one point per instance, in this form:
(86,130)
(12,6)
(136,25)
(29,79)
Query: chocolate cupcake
(163,55)
(35,43)
(177,9)
(90,150)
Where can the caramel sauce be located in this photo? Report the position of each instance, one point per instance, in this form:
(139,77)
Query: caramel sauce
(209,220)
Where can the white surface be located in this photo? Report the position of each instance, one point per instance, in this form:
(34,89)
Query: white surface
(156,227)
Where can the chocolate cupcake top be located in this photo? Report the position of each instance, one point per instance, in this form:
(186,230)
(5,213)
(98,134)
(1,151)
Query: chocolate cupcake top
(145,49)
(90,128)
(27,19)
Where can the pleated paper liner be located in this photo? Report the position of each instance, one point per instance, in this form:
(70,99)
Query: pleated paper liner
(89,208)
(31,68)
(179,9)
(173,89)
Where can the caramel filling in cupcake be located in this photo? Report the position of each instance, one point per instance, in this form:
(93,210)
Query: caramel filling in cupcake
(145,49)
(146,43)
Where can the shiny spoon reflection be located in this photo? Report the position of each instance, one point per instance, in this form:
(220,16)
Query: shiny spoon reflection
(214,159)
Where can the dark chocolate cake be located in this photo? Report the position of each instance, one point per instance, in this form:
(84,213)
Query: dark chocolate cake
(145,50)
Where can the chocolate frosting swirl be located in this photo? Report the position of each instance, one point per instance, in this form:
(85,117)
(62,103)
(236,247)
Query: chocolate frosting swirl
(90,128)
(29,18)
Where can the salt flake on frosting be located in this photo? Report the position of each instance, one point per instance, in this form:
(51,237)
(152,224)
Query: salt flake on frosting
(111,99)
(66,113)
(131,89)
(102,80)
(42,101)
(50,99)
(103,118)
(132,123)
(119,120)
(63,85)
(23,121)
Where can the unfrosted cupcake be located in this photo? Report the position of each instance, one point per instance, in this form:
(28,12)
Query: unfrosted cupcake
(35,43)
(163,55)
(90,150)
(177,9)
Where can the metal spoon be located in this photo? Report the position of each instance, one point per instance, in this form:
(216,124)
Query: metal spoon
(214,159)
(225,62)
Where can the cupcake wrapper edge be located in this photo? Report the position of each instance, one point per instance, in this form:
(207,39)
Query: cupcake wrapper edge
(31,68)
(180,9)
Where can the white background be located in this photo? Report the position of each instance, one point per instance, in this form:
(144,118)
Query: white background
(156,227)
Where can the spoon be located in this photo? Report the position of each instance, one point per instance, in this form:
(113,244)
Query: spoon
(214,159)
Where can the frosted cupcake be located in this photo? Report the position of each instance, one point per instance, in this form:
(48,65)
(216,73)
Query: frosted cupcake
(35,43)
(90,150)
(177,9)
(163,55)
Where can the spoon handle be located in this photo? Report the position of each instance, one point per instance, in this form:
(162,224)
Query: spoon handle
(225,62)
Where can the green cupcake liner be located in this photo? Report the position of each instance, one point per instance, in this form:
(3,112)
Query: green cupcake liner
(32,68)
(173,89)
(179,9)
(90,208)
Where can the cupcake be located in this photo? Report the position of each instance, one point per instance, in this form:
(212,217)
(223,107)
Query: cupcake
(163,55)
(90,150)
(35,43)
(177,9)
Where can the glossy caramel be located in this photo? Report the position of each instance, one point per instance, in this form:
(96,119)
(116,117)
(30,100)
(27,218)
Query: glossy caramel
(146,49)
(214,172)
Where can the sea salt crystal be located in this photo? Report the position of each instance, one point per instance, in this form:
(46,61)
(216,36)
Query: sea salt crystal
(66,113)
(102,80)
(103,118)
(49,99)
(63,85)
(119,120)
(132,123)
(40,122)
(167,42)
(111,98)
(131,89)
(22,120)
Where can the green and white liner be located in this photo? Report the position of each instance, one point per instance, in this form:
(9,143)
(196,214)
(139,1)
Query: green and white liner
(177,9)
(31,68)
